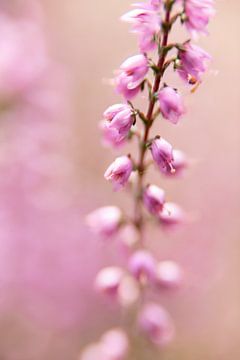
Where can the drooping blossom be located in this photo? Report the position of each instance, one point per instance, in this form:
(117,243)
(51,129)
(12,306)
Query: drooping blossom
(156,324)
(142,265)
(145,23)
(131,75)
(171,214)
(171,104)
(105,221)
(198,13)
(162,153)
(108,280)
(169,275)
(154,199)
(115,344)
(119,171)
(179,163)
(117,123)
(193,63)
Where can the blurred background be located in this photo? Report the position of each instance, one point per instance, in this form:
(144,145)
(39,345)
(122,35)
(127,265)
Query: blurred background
(52,165)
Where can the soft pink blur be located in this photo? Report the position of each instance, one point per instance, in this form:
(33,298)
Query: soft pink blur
(52,166)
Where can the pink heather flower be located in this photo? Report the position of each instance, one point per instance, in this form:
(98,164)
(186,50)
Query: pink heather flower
(118,121)
(171,214)
(154,198)
(156,323)
(128,292)
(162,153)
(171,104)
(146,23)
(105,221)
(131,75)
(108,280)
(115,345)
(193,63)
(119,171)
(169,275)
(198,14)
(179,163)
(142,265)
(156,4)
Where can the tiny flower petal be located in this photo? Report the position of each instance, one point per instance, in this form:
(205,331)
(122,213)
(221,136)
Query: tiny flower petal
(171,214)
(162,153)
(179,163)
(198,14)
(105,221)
(154,198)
(171,104)
(169,275)
(115,344)
(108,280)
(142,265)
(119,171)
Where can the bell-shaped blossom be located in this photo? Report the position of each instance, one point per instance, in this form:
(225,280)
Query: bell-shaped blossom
(108,280)
(115,344)
(198,13)
(179,163)
(169,275)
(119,171)
(171,214)
(105,221)
(146,23)
(142,265)
(118,120)
(171,104)
(156,324)
(193,63)
(131,75)
(162,153)
(154,199)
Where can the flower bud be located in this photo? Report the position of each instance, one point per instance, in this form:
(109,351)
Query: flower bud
(154,198)
(142,265)
(119,171)
(105,221)
(162,153)
(108,280)
(156,323)
(131,75)
(169,275)
(171,104)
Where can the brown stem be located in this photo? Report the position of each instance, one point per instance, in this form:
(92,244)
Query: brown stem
(138,220)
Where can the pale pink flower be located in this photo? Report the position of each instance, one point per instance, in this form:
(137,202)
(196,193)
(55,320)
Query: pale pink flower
(131,75)
(162,153)
(119,171)
(171,104)
(179,163)
(115,344)
(146,23)
(169,275)
(193,63)
(171,214)
(118,121)
(198,14)
(154,199)
(105,220)
(108,280)
(156,323)
(142,265)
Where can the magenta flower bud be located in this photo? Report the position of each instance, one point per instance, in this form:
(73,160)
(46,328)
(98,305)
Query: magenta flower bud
(119,171)
(171,104)
(162,153)
(171,214)
(146,23)
(115,345)
(131,75)
(169,275)
(156,324)
(118,121)
(198,14)
(179,163)
(142,265)
(105,221)
(154,199)
(108,280)
(193,63)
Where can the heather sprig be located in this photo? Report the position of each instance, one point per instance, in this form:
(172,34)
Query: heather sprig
(152,22)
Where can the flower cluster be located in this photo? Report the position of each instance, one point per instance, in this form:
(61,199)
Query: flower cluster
(152,22)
